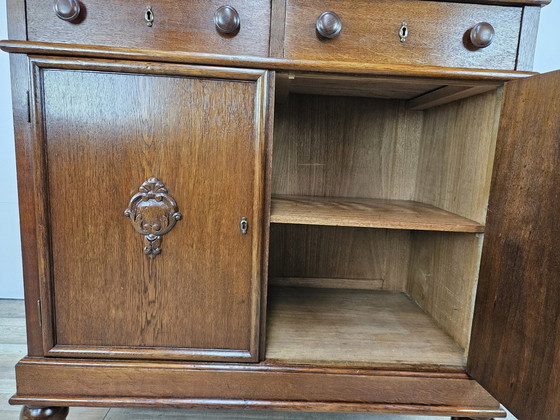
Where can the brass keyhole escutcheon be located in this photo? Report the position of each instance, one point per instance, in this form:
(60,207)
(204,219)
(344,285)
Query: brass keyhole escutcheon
(149,16)
(403,32)
(244,225)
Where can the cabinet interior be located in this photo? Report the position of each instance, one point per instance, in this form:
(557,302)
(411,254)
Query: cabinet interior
(377,220)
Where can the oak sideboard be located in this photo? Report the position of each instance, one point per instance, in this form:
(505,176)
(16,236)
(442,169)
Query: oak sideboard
(345,206)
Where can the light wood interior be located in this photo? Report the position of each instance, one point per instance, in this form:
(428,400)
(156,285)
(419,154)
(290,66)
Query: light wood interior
(372,328)
(374,193)
(418,93)
(367,212)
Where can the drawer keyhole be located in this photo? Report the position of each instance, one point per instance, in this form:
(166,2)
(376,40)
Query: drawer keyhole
(403,32)
(149,16)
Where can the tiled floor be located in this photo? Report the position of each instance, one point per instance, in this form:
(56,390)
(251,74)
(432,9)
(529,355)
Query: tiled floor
(12,348)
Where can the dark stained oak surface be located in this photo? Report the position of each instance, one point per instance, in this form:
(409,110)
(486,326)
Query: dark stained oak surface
(104,134)
(437,33)
(177,25)
(408,72)
(264,386)
(515,346)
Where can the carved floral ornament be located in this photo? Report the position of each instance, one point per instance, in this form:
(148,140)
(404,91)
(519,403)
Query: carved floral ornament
(153,213)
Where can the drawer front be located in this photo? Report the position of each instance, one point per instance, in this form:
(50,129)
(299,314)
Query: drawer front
(177,25)
(437,33)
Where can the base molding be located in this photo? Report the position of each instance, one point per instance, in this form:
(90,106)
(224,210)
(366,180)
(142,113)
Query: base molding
(58,382)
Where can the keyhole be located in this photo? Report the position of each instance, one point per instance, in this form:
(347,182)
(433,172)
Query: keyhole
(244,225)
(149,16)
(403,32)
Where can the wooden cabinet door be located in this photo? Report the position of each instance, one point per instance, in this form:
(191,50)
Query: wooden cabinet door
(515,344)
(150,200)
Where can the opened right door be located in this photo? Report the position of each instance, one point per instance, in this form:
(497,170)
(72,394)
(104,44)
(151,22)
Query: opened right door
(515,345)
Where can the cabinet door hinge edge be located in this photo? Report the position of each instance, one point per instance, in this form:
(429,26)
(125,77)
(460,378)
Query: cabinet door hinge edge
(28,107)
(39,313)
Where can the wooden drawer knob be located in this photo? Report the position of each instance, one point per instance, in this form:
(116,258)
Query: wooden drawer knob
(227,20)
(482,34)
(329,24)
(67,9)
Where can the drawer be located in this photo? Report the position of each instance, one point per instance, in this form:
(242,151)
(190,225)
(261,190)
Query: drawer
(177,25)
(437,33)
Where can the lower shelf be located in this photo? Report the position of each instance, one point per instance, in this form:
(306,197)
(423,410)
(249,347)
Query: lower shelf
(355,327)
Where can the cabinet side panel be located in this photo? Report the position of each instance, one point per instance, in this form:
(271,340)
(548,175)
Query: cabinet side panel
(17,28)
(515,345)
(442,279)
(454,172)
(528,38)
(19,66)
(456,155)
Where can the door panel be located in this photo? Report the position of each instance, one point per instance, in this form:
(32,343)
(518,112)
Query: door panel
(515,345)
(107,129)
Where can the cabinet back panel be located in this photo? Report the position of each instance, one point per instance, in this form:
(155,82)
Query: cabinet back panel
(345,147)
(107,133)
(338,257)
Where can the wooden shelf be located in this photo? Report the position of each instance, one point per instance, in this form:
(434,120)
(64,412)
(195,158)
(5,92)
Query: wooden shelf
(365,212)
(357,328)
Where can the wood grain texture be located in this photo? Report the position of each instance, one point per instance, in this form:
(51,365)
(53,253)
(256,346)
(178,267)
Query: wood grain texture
(196,299)
(362,212)
(405,71)
(177,26)
(345,147)
(515,347)
(111,383)
(446,94)
(442,277)
(277,28)
(528,38)
(268,116)
(372,328)
(26,184)
(327,283)
(17,29)
(351,85)
(436,33)
(456,155)
(375,257)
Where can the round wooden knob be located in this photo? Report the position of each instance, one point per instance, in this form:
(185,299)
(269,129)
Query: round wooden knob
(67,9)
(482,34)
(329,24)
(227,20)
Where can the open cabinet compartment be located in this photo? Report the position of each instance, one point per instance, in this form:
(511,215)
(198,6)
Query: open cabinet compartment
(377,221)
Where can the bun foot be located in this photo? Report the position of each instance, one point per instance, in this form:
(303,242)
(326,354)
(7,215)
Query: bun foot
(43,413)
(471,418)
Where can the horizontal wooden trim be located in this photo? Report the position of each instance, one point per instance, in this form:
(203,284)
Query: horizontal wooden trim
(122,383)
(368,213)
(259,405)
(164,353)
(327,283)
(500,2)
(445,95)
(503,2)
(265,366)
(179,57)
(148,67)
